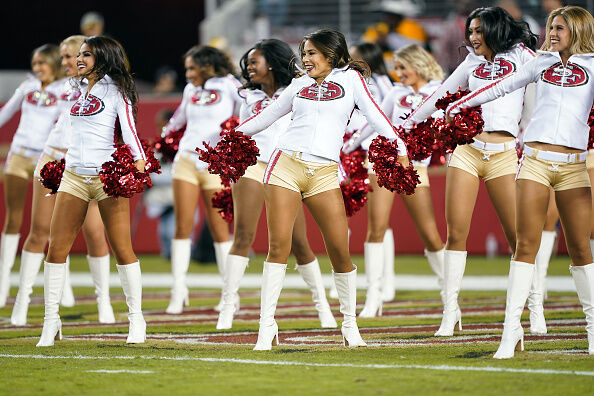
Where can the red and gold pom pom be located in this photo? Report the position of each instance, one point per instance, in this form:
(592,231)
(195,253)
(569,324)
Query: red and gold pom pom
(591,125)
(51,175)
(390,173)
(232,155)
(223,201)
(168,145)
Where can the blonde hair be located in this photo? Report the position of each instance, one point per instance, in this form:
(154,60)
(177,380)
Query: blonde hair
(73,43)
(581,29)
(51,54)
(421,61)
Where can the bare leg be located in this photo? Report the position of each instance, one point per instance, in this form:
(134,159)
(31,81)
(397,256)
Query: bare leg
(531,207)
(248,199)
(41,217)
(299,243)
(379,206)
(574,206)
(218,227)
(420,208)
(461,192)
(281,210)
(94,232)
(69,214)
(185,197)
(503,196)
(115,214)
(15,194)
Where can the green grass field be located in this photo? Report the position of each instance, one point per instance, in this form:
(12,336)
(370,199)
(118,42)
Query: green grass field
(184,354)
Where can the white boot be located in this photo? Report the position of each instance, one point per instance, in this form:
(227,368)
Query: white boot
(583,277)
(180,261)
(67,294)
(53,283)
(346,285)
(99,267)
(233,273)
(332,293)
(272,284)
(454,265)
(30,264)
(8,248)
(374,270)
(313,277)
(538,325)
(132,284)
(518,287)
(221,252)
(436,262)
(387,284)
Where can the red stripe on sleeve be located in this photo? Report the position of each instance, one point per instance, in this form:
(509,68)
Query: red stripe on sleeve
(132,128)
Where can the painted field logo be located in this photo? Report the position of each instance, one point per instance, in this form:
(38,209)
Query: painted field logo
(261,105)
(412,101)
(327,91)
(571,75)
(87,107)
(499,68)
(206,97)
(41,98)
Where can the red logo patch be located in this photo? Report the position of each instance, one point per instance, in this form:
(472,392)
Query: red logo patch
(326,91)
(261,105)
(206,97)
(571,75)
(41,98)
(87,107)
(412,101)
(499,68)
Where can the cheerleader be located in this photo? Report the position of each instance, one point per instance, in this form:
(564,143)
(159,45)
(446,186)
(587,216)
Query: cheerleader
(267,67)
(109,96)
(554,156)
(37,98)
(498,47)
(304,168)
(420,76)
(210,98)
(43,205)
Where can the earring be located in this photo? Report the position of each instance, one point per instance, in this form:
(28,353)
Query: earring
(270,68)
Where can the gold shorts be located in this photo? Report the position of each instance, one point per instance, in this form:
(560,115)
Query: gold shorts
(184,168)
(45,158)
(20,166)
(84,187)
(304,177)
(590,159)
(423,175)
(256,172)
(559,175)
(483,163)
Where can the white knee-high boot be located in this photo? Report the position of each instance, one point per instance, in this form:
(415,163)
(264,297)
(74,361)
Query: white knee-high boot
(99,267)
(346,285)
(387,286)
(131,279)
(374,269)
(53,283)
(312,275)
(234,270)
(221,252)
(273,276)
(8,249)
(536,296)
(518,287)
(454,265)
(180,261)
(67,294)
(583,277)
(30,264)
(436,262)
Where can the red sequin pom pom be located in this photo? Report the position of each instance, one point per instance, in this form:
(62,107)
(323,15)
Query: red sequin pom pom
(591,125)
(390,173)
(51,175)
(223,201)
(421,140)
(354,194)
(168,145)
(464,126)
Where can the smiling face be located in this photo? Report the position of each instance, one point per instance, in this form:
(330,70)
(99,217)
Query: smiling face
(42,70)
(197,75)
(477,41)
(68,60)
(316,64)
(257,68)
(559,35)
(407,75)
(85,62)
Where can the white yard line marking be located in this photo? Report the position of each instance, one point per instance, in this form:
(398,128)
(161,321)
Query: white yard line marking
(121,371)
(442,367)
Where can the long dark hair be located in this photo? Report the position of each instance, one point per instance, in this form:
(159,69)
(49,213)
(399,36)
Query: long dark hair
(111,59)
(205,56)
(332,44)
(372,54)
(279,57)
(500,31)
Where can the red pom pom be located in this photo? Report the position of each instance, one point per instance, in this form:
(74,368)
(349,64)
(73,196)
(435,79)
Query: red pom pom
(230,123)
(168,145)
(51,175)
(591,125)
(232,155)
(421,140)
(464,126)
(354,194)
(353,163)
(390,173)
(223,200)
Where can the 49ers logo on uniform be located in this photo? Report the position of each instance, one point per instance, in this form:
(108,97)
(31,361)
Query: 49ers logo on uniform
(261,105)
(499,68)
(412,101)
(88,106)
(41,98)
(327,91)
(571,75)
(206,97)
